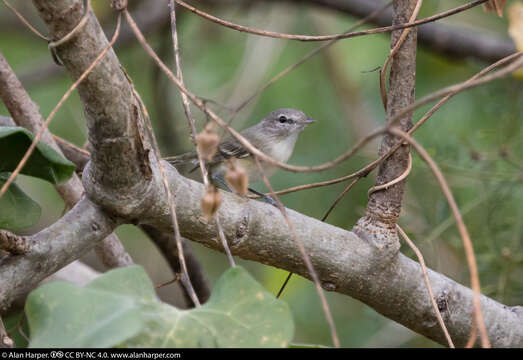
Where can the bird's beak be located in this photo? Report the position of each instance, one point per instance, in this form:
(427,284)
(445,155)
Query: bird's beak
(309,120)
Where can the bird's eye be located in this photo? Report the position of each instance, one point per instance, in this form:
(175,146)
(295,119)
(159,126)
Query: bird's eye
(282,119)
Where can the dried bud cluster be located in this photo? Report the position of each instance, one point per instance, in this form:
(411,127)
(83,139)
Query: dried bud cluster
(207,142)
(211,201)
(236,177)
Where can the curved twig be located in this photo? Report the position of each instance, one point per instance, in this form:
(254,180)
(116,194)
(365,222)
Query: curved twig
(467,243)
(427,282)
(327,37)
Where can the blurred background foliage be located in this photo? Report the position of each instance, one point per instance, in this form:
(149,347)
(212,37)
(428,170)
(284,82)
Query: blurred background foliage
(469,138)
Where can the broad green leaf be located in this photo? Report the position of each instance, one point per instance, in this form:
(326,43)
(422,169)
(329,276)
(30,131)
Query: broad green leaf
(45,163)
(17,210)
(65,315)
(240,313)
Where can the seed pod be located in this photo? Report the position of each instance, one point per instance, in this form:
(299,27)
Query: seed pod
(236,177)
(207,142)
(211,202)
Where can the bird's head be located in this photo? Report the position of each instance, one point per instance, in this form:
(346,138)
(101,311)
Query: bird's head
(286,122)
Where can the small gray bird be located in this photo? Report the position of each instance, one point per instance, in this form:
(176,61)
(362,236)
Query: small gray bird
(275,135)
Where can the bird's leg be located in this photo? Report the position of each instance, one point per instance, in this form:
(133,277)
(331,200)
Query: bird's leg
(219,180)
(268,199)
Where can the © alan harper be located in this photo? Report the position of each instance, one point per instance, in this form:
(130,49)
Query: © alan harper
(89,355)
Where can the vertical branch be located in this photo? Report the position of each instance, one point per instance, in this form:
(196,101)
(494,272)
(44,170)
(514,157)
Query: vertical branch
(25,113)
(384,207)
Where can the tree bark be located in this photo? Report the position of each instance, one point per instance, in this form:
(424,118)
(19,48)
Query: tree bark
(387,281)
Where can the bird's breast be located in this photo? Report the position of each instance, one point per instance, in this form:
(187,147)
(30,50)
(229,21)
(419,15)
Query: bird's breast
(282,150)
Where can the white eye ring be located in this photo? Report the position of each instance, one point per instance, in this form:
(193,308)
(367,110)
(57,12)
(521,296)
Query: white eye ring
(282,119)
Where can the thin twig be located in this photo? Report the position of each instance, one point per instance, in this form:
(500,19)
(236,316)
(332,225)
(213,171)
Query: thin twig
(338,199)
(186,280)
(467,243)
(70,34)
(427,283)
(327,37)
(25,22)
(473,333)
(305,58)
(254,151)
(57,107)
(401,40)
(187,109)
(304,255)
(177,277)
(70,145)
(454,89)
(372,165)
(325,216)
(394,181)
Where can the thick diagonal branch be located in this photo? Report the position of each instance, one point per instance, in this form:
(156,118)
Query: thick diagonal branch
(345,263)
(26,114)
(256,231)
(120,157)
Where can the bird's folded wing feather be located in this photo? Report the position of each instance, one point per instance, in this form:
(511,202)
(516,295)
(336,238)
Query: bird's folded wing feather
(230,148)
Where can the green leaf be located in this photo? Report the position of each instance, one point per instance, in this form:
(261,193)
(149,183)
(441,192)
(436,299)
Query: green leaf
(120,308)
(44,163)
(239,313)
(64,315)
(17,210)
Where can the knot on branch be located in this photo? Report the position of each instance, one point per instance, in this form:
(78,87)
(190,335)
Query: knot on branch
(119,5)
(12,243)
(382,236)
(6,341)
(128,201)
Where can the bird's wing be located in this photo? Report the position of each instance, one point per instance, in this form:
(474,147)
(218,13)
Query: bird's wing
(230,148)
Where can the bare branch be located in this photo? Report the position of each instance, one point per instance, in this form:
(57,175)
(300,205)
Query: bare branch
(26,114)
(52,248)
(384,207)
(344,262)
(167,244)
(120,151)
(272,34)
(452,41)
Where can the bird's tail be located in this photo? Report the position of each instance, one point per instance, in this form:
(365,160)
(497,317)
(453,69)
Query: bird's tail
(183,159)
